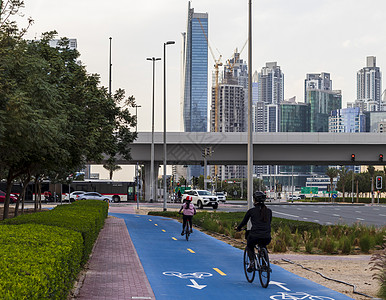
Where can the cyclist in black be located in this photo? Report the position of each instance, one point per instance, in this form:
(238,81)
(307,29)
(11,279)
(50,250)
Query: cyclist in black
(260,233)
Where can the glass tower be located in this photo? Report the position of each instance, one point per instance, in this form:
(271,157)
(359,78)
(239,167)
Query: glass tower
(195,68)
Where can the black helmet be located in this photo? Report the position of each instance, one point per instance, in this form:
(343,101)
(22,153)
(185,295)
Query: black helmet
(259,197)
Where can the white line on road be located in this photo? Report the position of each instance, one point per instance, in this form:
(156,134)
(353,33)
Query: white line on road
(286,214)
(316,211)
(335,215)
(360,219)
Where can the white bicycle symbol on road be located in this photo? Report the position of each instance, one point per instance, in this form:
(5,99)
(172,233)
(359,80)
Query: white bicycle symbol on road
(198,275)
(298,296)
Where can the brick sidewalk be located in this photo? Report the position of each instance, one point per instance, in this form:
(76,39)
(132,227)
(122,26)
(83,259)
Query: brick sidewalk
(115,271)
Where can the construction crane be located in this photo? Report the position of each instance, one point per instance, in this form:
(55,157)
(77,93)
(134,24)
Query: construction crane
(217,64)
(235,59)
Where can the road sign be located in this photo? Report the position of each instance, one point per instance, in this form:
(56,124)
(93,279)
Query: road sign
(309,190)
(334,195)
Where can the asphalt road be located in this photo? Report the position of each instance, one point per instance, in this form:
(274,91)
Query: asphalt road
(206,268)
(325,214)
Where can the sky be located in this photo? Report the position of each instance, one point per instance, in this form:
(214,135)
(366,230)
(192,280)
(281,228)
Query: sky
(302,36)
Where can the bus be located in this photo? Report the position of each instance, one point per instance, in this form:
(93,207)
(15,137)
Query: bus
(118,190)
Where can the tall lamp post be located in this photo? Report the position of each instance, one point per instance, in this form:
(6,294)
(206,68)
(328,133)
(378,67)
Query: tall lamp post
(250,141)
(153,59)
(165,156)
(136,168)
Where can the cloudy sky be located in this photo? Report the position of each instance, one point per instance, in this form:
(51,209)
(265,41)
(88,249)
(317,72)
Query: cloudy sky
(302,36)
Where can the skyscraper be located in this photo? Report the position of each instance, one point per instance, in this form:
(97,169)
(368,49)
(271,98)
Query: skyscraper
(317,81)
(195,72)
(271,84)
(369,83)
(347,120)
(322,103)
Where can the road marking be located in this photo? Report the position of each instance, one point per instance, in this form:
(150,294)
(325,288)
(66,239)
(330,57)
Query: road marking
(174,238)
(382,215)
(335,215)
(196,285)
(337,208)
(317,221)
(305,218)
(286,214)
(280,284)
(357,211)
(220,272)
(163,230)
(191,251)
(360,219)
(316,211)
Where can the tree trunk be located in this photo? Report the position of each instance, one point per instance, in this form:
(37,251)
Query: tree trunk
(8,193)
(357,191)
(331,188)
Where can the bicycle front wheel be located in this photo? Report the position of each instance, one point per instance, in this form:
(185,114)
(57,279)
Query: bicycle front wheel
(249,275)
(264,268)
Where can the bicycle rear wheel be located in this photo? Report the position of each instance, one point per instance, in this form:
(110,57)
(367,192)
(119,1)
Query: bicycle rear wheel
(264,269)
(249,275)
(187,231)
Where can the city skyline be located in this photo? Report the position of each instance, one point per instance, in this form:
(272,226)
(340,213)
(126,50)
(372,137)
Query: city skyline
(302,38)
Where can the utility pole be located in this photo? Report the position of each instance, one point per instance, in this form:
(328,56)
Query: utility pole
(110,66)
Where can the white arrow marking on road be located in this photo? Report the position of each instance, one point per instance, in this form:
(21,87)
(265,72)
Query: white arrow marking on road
(196,285)
(279,284)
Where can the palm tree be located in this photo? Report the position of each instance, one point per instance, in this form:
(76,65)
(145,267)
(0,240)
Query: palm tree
(371,171)
(332,173)
(343,172)
(111,166)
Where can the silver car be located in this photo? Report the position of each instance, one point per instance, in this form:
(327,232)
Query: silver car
(221,196)
(95,196)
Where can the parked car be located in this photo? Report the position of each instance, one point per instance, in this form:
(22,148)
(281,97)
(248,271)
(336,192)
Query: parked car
(201,198)
(73,196)
(221,196)
(12,197)
(95,196)
(293,197)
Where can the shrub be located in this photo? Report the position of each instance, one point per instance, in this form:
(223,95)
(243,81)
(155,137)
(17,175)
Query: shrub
(365,243)
(86,217)
(328,246)
(346,245)
(279,245)
(38,261)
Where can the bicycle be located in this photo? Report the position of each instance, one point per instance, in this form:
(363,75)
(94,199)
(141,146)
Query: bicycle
(187,230)
(261,265)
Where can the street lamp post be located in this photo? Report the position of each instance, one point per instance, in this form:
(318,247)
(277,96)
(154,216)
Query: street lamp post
(165,156)
(136,168)
(250,142)
(153,59)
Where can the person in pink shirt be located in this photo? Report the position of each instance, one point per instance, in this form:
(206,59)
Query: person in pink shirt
(188,211)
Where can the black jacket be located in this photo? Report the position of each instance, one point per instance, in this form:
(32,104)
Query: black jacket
(260,229)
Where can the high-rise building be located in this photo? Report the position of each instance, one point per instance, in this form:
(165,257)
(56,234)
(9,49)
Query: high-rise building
(230,110)
(271,84)
(375,121)
(195,72)
(317,81)
(369,83)
(57,43)
(294,117)
(348,120)
(321,104)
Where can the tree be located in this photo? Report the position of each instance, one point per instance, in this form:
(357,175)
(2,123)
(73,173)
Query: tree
(331,173)
(47,102)
(111,166)
(343,178)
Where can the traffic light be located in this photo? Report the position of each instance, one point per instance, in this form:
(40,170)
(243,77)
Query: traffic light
(379,183)
(380,157)
(168,178)
(353,157)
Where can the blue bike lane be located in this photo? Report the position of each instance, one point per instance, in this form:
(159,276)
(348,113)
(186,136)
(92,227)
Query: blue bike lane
(206,268)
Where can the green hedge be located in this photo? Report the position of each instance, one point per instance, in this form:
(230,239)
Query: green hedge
(86,217)
(38,261)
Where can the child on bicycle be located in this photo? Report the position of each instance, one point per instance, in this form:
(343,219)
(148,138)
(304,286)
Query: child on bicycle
(260,233)
(188,211)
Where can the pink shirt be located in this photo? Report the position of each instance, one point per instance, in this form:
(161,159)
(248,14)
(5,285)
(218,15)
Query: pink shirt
(188,211)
